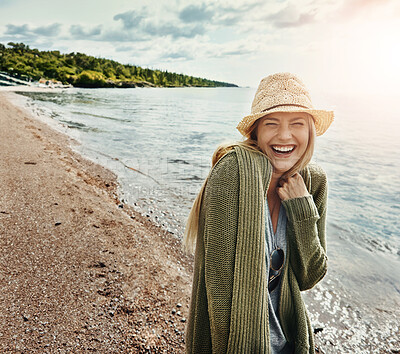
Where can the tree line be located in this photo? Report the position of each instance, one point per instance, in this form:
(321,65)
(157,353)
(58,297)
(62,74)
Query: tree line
(81,70)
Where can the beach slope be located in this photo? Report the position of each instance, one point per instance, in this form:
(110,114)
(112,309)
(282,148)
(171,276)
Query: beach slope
(79,271)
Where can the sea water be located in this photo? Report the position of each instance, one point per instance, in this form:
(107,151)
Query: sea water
(159,142)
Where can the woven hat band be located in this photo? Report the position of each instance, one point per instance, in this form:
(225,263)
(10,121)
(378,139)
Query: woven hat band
(283,105)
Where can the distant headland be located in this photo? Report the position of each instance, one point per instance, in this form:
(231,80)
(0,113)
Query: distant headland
(20,64)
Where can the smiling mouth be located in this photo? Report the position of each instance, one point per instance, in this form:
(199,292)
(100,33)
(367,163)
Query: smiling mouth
(283,150)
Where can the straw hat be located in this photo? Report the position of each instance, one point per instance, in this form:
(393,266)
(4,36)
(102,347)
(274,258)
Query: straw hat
(284,92)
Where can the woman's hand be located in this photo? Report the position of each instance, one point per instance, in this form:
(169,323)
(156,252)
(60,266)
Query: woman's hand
(293,187)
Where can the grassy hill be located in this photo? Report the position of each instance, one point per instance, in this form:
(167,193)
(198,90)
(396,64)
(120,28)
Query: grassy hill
(81,70)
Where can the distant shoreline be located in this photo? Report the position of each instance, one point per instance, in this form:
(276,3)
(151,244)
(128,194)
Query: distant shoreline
(26,88)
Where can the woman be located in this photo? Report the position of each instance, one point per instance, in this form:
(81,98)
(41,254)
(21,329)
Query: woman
(258,224)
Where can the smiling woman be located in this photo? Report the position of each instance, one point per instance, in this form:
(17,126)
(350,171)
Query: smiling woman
(284,138)
(258,224)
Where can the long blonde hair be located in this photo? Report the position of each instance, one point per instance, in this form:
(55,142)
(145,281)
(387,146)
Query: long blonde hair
(192,224)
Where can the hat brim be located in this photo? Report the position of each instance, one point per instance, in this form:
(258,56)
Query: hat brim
(322,119)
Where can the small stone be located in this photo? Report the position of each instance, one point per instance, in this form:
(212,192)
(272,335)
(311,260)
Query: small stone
(178,304)
(57,224)
(173,311)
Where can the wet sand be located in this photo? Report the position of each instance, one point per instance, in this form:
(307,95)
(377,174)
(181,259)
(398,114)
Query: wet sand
(79,271)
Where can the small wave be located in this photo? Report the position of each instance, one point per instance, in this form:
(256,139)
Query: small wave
(192,178)
(372,243)
(100,116)
(197,136)
(80,126)
(54,97)
(178,161)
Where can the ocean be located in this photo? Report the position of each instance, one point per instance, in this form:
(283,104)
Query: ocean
(159,142)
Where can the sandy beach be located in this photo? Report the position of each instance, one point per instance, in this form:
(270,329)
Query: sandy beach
(79,271)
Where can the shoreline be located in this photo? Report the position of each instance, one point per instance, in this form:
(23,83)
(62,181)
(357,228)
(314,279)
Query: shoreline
(26,88)
(352,331)
(79,269)
(23,88)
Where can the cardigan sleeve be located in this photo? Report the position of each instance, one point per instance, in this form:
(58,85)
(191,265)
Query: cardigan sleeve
(220,232)
(306,231)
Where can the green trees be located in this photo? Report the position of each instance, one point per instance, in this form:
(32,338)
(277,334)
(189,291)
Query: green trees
(90,78)
(82,70)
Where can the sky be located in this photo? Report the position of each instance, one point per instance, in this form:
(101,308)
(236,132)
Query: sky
(333,45)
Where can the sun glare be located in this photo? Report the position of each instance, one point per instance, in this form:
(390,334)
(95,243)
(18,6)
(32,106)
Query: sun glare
(366,57)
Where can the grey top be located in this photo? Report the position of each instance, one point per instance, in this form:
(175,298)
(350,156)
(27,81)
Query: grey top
(277,338)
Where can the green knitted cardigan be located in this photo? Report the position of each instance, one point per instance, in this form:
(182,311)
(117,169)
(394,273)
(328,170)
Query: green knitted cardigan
(229,304)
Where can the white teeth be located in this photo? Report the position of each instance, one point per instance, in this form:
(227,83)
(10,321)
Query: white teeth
(283,148)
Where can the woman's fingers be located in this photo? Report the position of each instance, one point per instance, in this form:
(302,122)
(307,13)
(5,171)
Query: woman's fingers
(293,187)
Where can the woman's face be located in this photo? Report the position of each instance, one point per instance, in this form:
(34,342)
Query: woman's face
(283,137)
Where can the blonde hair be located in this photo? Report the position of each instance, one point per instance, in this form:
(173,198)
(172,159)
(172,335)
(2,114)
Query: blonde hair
(192,224)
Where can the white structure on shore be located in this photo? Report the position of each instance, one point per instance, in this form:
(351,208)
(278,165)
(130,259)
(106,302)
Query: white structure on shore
(7,80)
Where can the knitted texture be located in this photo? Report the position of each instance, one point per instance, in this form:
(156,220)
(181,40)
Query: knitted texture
(229,305)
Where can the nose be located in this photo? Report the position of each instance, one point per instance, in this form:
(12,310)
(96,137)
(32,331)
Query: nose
(284,132)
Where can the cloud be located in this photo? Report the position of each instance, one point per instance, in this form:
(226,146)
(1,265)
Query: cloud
(116,36)
(5,3)
(365,3)
(304,19)
(241,9)
(290,17)
(173,31)
(194,13)
(48,31)
(130,19)
(174,55)
(232,15)
(216,14)
(140,26)
(17,30)
(25,31)
(351,9)
(123,49)
(78,31)
(238,51)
